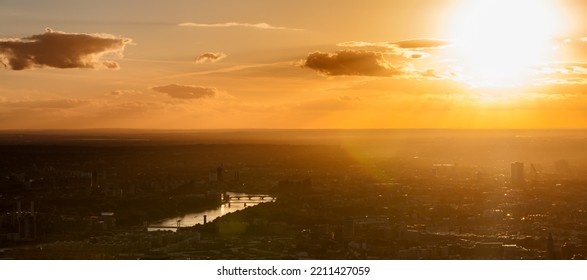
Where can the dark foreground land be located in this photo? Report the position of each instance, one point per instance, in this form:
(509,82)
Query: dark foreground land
(356,194)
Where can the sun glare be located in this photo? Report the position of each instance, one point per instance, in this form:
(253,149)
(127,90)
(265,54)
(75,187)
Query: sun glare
(499,40)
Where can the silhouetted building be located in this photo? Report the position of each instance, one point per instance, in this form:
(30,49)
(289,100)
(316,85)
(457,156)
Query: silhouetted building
(517,173)
(216,175)
(219,173)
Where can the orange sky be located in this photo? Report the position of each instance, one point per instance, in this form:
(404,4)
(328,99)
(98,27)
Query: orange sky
(293,64)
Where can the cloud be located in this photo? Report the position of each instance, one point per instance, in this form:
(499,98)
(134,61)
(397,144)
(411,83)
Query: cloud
(256,67)
(413,44)
(45,103)
(559,89)
(61,50)
(568,67)
(421,44)
(210,57)
(352,63)
(412,49)
(560,73)
(186,91)
(121,92)
(361,44)
(577,81)
(261,25)
(432,74)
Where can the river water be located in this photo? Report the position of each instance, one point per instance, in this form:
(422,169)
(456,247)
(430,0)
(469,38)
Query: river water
(191,219)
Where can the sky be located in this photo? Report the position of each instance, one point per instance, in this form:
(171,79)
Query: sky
(344,64)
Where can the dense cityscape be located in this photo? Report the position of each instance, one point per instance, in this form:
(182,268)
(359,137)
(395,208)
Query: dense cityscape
(324,194)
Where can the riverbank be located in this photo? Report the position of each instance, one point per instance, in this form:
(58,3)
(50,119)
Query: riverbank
(66,218)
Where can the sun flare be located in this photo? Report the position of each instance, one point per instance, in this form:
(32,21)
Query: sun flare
(499,40)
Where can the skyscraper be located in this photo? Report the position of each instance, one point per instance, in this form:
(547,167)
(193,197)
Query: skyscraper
(517,173)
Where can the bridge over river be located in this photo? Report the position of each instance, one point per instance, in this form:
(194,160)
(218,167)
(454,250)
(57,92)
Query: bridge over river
(231,202)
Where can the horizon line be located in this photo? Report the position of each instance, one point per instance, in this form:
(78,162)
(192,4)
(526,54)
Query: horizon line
(271,129)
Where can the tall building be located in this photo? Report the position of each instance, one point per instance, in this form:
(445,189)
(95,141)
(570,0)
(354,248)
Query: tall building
(517,173)
(220,173)
(550,254)
(216,175)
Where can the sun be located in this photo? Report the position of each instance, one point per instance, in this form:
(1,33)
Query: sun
(498,41)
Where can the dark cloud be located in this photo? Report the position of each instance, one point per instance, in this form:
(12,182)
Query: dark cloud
(420,44)
(61,50)
(210,57)
(351,63)
(187,92)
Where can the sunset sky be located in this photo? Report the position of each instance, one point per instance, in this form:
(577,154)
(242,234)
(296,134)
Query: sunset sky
(293,64)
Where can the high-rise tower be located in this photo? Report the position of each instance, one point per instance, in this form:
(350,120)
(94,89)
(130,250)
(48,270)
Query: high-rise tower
(517,173)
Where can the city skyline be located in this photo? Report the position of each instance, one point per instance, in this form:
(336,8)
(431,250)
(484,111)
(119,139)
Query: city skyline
(293,65)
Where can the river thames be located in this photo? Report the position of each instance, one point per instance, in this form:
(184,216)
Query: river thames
(236,202)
